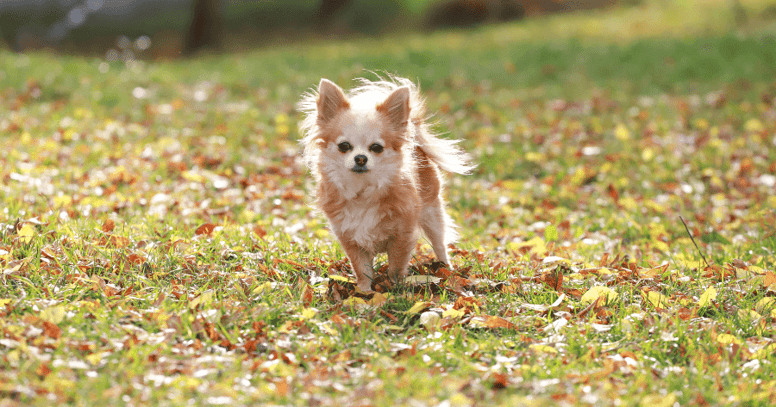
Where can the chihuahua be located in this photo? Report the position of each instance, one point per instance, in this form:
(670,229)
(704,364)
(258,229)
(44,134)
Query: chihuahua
(376,165)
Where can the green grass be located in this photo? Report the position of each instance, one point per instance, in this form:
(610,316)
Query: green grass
(590,143)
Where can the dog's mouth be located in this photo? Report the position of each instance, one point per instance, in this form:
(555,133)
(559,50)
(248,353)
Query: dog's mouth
(359,169)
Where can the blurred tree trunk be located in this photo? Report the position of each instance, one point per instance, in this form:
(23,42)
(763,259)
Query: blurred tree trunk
(327,10)
(205,28)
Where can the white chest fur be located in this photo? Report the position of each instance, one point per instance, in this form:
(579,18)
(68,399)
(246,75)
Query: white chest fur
(360,220)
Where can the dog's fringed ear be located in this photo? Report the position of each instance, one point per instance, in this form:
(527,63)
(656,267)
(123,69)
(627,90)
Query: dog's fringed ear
(397,107)
(331,100)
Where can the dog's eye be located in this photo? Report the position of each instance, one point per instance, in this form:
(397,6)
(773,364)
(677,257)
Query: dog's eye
(344,146)
(376,148)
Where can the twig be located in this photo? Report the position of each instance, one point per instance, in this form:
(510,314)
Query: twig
(693,240)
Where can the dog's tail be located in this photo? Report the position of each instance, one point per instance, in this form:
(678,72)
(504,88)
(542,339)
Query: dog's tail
(442,152)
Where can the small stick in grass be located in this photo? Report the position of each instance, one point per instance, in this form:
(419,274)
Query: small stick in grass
(693,240)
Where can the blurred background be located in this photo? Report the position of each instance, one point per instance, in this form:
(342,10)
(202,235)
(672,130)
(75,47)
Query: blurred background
(128,28)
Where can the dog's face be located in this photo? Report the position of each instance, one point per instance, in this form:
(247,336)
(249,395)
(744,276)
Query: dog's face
(361,139)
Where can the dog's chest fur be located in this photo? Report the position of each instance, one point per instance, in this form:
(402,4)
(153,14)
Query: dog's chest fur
(362,220)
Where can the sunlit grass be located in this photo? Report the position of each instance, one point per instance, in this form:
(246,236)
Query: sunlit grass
(158,247)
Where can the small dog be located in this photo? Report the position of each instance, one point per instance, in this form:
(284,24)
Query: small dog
(376,165)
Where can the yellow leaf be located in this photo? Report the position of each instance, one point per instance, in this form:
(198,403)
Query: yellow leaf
(765,304)
(308,313)
(267,286)
(540,348)
(603,271)
(707,297)
(94,358)
(655,400)
(341,279)
(753,125)
(453,313)
(355,302)
(62,200)
(419,306)
(377,300)
(727,339)
(655,298)
(26,233)
(647,154)
(621,132)
(629,203)
(53,314)
(598,291)
(701,124)
(660,245)
(756,270)
(765,351)
(193,176)
(203,299)
(4,302)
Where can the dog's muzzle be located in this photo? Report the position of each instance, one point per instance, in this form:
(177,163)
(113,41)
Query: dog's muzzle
(360,166)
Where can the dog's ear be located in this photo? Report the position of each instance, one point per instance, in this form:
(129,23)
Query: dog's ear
(397,107)
(331,100)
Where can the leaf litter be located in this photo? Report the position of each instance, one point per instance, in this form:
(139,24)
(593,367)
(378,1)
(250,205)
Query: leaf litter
(178,262)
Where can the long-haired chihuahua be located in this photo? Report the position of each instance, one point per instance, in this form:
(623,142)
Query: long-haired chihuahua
(376,165)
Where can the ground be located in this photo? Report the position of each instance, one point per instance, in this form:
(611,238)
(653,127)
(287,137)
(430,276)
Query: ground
(158,246)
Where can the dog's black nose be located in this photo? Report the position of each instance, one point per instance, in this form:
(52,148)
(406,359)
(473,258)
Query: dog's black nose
(360,159)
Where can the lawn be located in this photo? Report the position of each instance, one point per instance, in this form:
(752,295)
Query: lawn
(158,247)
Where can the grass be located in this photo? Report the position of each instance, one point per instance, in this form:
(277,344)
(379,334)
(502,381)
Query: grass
(157,245)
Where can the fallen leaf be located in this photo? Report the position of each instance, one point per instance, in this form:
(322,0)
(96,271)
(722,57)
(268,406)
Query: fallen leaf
(769,278)
(51,330)
(490,321)
(205,229)
(418,307)
(656,299)
(763,305)
(430,319)
(422,280)
(26,233)
(593,293)
(707,297)
(541,348)
(108,225)
(727,339)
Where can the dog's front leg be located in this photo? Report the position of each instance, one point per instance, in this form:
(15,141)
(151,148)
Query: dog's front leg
(399,254)
(361,261)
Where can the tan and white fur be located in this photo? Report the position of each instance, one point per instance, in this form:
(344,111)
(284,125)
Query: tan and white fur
(376,165)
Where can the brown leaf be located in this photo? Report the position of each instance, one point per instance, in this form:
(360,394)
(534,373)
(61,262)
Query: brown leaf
(114,241)
(281,386)
(467,304)
(135,259)
(51,330)
(259,231)
(108,225)
(770,278)
(490,321)
(43,370)
(500,381)
(307,295)
(205,229)
(289,262)
(554,279)
(613,193)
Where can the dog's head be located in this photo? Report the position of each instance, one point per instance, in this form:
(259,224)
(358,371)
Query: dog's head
(361,138)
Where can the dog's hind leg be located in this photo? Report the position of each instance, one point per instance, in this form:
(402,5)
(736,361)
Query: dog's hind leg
(438,227)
